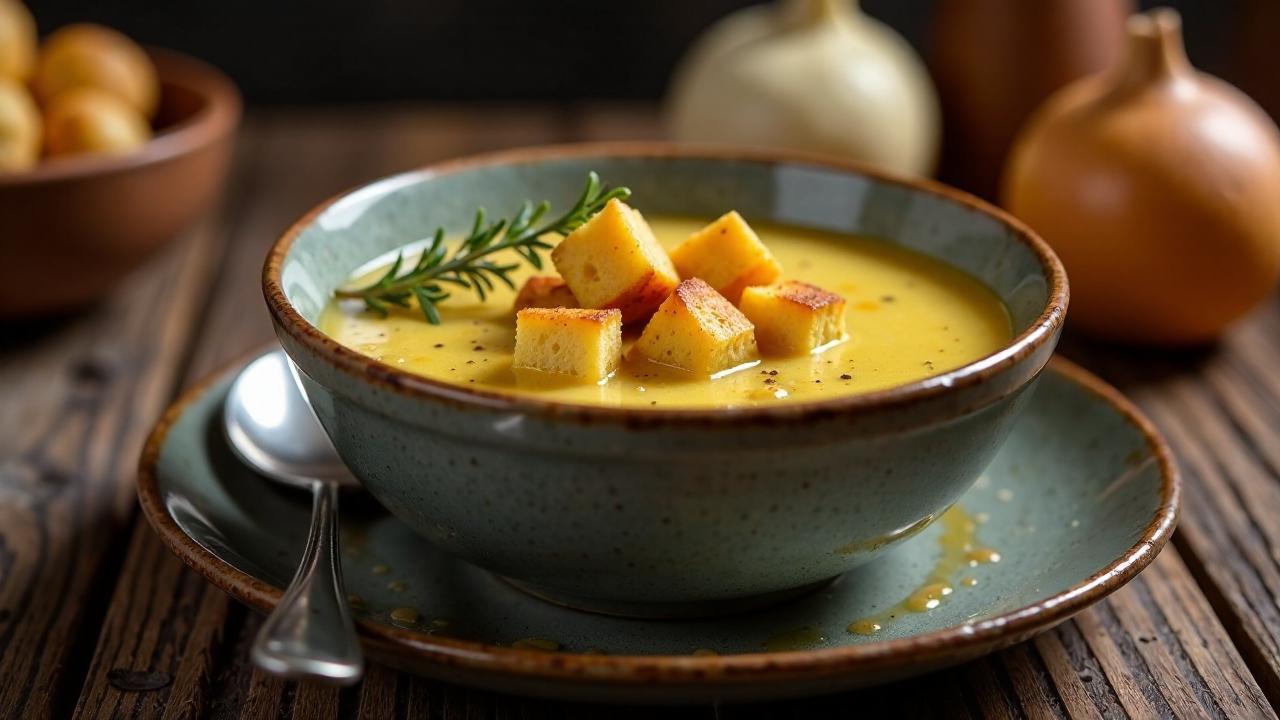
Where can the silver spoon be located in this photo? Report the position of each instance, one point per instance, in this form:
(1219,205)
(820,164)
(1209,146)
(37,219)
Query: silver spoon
(271,427)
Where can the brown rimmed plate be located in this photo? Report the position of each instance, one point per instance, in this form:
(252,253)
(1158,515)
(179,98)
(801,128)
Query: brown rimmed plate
(1080,499)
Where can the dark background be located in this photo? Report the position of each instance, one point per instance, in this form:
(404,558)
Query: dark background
(362,50)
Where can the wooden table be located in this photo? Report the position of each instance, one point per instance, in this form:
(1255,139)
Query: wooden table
(98,619)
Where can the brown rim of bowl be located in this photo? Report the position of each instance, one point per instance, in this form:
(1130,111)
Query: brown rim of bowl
(634,670)
(1041,331)
(217,119)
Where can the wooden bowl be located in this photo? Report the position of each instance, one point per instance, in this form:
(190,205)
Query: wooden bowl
(72,227)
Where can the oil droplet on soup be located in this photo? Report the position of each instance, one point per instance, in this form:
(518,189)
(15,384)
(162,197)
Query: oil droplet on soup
(909,316)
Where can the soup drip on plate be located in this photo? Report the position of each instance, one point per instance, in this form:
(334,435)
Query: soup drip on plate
(960,551)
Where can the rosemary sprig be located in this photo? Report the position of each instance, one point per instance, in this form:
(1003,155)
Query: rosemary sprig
(469,266)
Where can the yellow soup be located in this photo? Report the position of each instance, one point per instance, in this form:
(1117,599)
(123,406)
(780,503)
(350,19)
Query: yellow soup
(909,317)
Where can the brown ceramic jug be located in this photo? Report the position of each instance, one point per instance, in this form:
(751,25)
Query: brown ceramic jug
(995,61)
(1159,187)
(1254,53)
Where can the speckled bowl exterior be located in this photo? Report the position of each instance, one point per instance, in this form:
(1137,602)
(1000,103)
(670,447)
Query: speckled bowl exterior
(665,512)
(1079,499)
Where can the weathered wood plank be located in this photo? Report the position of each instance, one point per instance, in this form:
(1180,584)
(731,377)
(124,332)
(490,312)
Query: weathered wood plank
(1028,678)
(1220,409)
(378,694)
(1066,680)
(1155,649)
(275,158)
(79,395)
(317,701)
(623,121)
(1152,650)
(295,161)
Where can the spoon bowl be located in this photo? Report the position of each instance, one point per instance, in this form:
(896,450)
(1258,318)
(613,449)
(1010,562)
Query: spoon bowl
(270,426)
(273,430)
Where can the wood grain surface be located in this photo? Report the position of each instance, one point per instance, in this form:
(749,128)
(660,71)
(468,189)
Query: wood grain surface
(98,620)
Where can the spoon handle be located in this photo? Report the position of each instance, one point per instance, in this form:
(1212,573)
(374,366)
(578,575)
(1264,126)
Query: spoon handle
(310,635)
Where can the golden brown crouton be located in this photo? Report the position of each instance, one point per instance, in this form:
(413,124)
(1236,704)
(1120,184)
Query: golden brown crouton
(793,318)
(583,344)
(545,291)
(614,261)
(728,255)
(697,330)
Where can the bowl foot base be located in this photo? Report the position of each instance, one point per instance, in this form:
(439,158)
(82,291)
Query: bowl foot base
(668,610)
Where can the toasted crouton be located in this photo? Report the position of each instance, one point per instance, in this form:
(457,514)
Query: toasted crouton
(614,261)
(545,291)
(582,344)
(697,330)
(728,255)
(793,318)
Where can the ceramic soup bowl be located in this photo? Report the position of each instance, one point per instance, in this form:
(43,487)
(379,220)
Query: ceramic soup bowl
(665,512)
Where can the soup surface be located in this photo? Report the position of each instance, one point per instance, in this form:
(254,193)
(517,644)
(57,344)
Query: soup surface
(909,317)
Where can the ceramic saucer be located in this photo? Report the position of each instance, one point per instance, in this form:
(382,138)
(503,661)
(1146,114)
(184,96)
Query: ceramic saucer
(1082,497)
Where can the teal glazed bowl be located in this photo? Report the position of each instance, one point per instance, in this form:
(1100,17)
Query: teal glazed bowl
(665,513)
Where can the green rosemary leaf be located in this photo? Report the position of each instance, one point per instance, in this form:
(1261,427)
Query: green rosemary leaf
(391,271)
(461,282)
(468,265)
(478,224)
(477,284)
(505,276)
(434,251)
(539,212)
(521,221)
(400,299)
(592,188)
(533,257)
(427,303)
(481,278)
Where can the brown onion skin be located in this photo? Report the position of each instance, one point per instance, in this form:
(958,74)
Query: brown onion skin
(1157,185)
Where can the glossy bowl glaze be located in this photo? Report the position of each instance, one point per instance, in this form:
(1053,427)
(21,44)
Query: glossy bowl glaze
(96,218)
(666,512)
